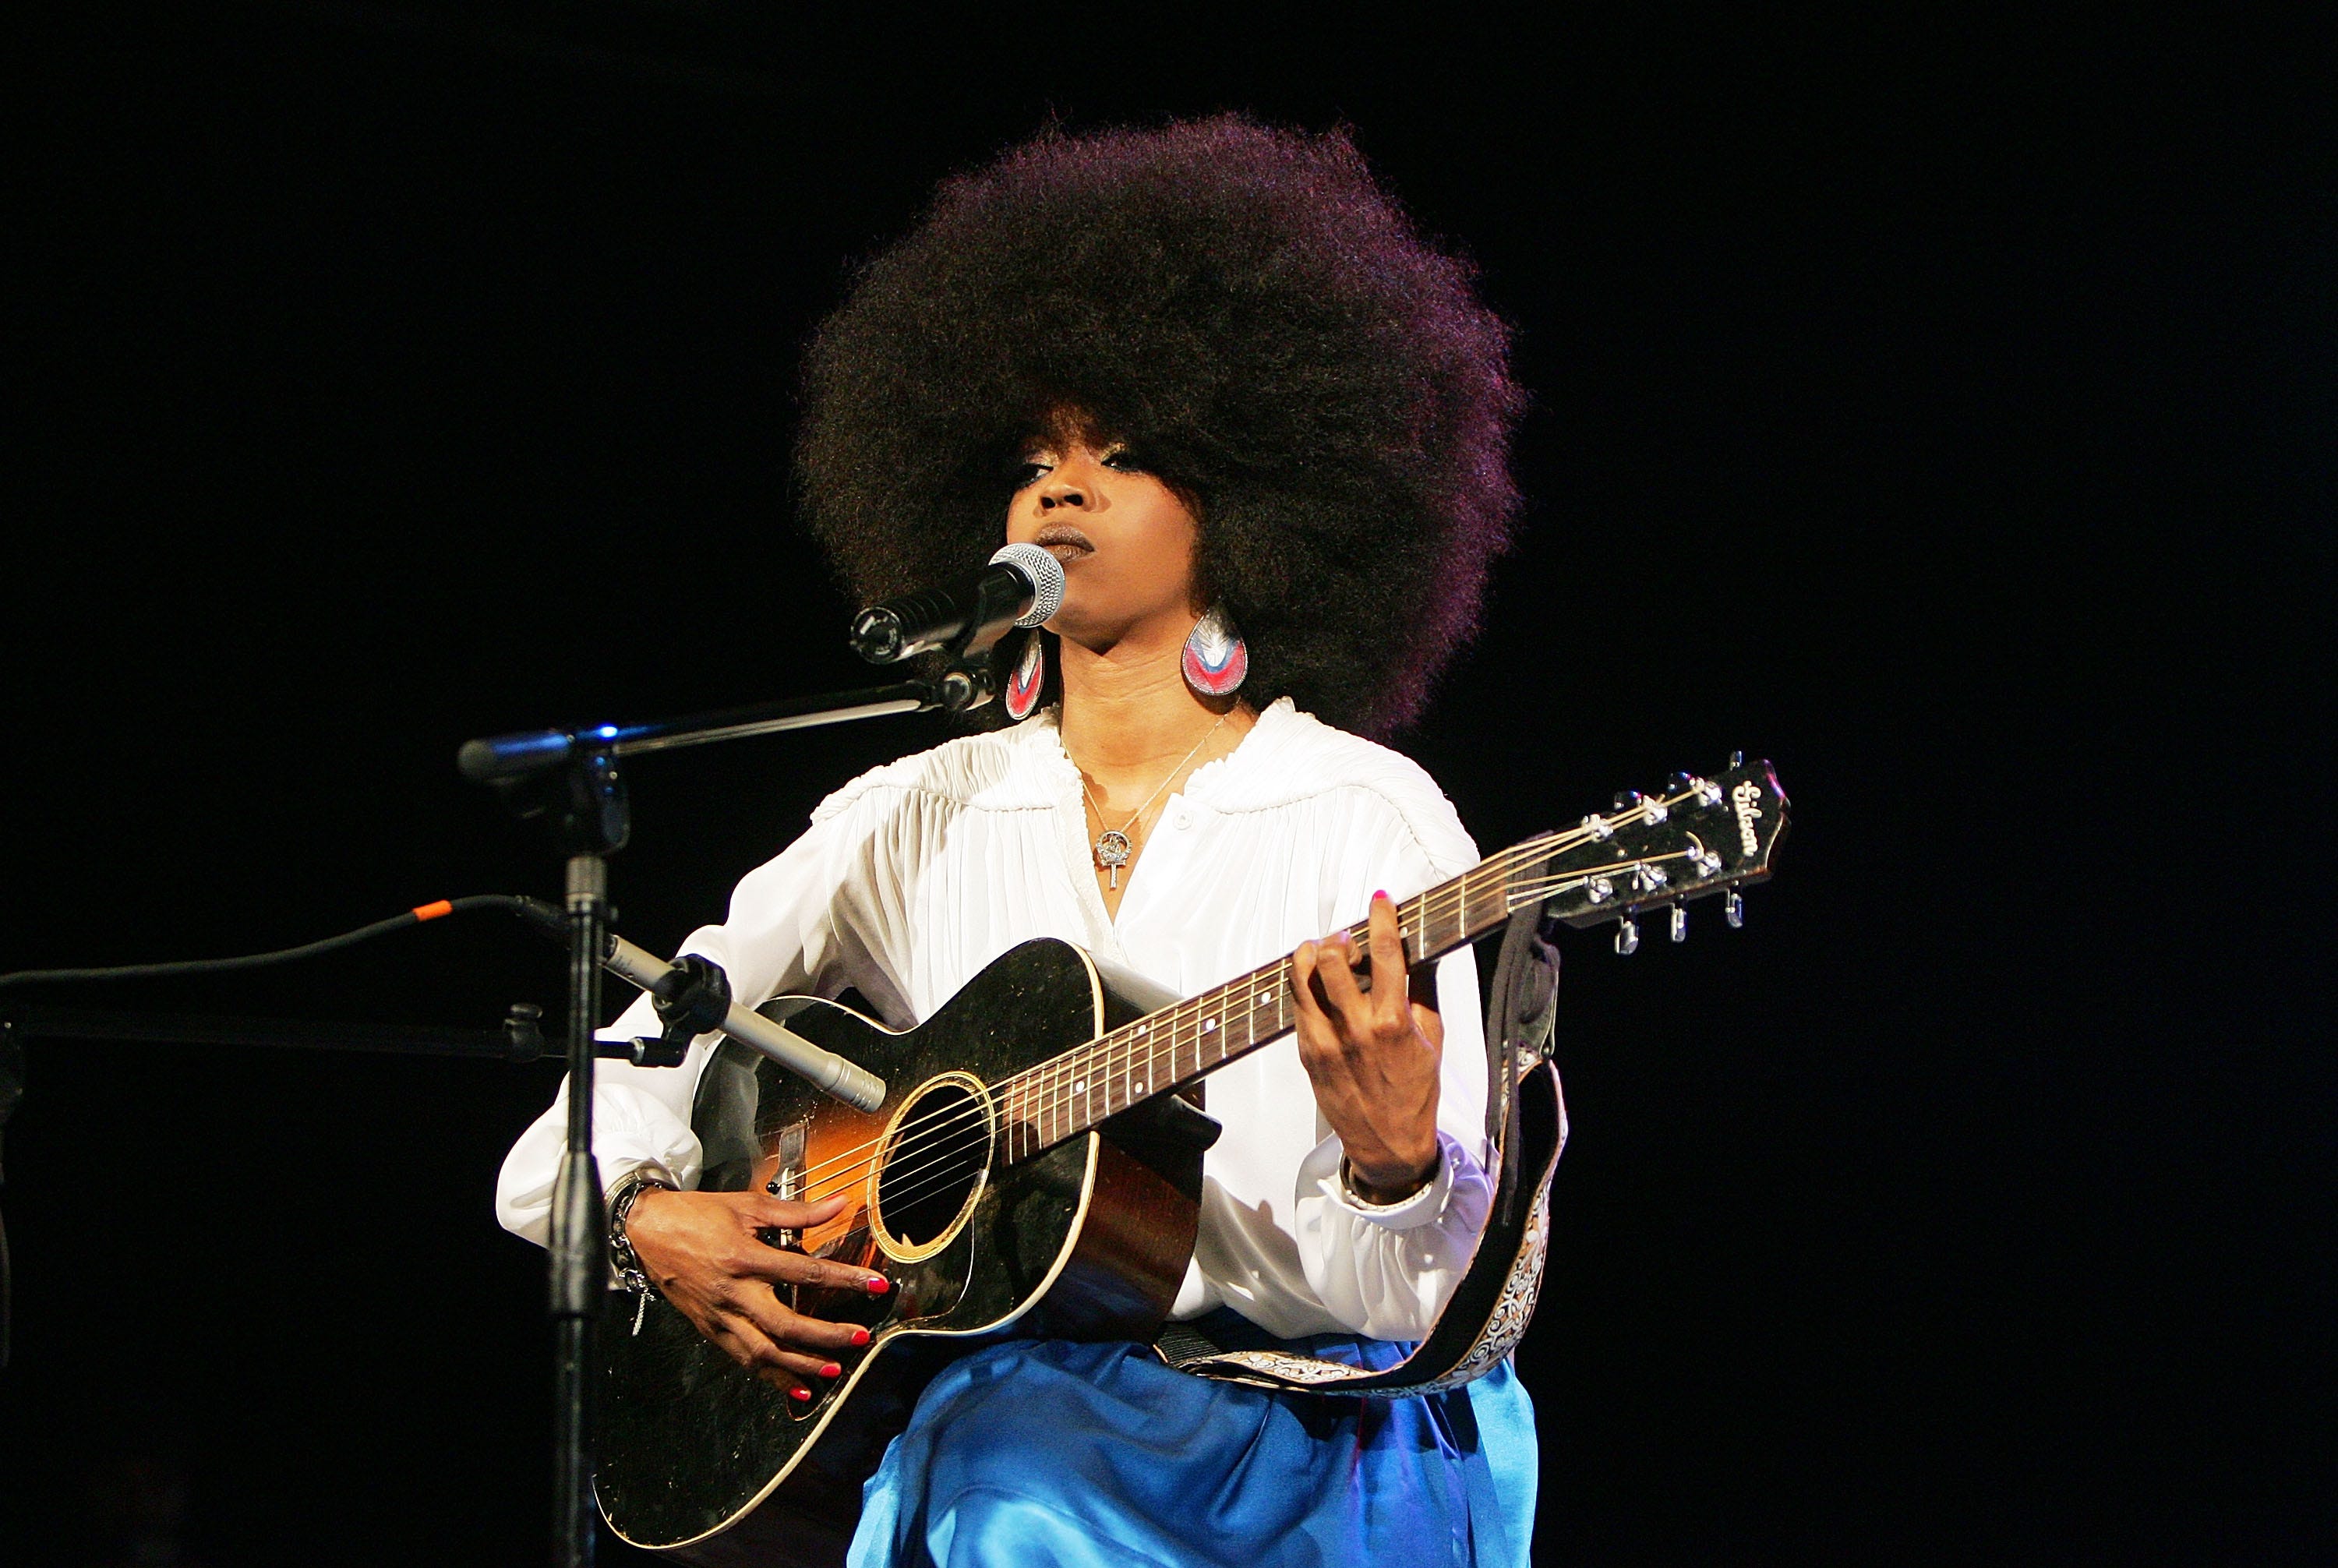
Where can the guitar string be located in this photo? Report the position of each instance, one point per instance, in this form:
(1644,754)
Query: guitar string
(1041,1082)
(1048,1078)
(1434,906)
(838,1181)
(1456,894)
(1543,887)
(941,1148)
(1248,986)
(1241,994)
(1032,1089)
(912,1125)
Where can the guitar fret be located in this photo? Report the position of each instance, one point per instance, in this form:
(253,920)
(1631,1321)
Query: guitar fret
(1070,1093)
(1073,1092)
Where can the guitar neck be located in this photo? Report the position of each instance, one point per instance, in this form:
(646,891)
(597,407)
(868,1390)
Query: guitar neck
(1167,1050)
(1703,837)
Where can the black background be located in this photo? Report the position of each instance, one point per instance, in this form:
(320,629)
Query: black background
(1943,410)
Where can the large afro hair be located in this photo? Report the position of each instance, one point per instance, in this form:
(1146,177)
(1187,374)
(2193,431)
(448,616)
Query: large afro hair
(1266,328)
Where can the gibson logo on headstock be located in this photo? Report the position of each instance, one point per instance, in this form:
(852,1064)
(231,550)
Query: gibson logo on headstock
(1747,798)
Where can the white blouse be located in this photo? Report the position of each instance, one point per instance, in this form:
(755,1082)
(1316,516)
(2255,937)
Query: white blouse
(917,875)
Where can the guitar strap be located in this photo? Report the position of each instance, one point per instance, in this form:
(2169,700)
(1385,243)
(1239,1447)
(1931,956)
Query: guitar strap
(1489,1307)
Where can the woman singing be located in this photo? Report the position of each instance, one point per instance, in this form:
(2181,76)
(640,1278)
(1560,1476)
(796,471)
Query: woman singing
(1263,425)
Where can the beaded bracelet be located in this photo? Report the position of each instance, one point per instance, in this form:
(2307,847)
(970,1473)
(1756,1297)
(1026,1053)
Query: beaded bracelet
(630,1273)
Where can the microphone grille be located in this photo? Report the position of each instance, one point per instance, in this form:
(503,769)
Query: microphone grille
(1046,574)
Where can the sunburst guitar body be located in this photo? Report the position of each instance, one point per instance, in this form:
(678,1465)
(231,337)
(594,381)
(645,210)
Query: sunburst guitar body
(1087,1240)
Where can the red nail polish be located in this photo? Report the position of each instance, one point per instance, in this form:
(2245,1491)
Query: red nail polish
(879,1284)
(1381,893)
(832,1370)
(859,1337)
(800,1395)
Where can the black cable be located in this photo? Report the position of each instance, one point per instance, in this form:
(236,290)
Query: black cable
(533,910)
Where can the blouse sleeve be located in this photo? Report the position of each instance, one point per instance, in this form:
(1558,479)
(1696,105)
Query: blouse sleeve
(794,926)
(1386,1272)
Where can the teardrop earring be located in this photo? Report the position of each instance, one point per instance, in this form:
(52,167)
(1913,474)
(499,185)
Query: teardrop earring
(1023,682)
(1216,659)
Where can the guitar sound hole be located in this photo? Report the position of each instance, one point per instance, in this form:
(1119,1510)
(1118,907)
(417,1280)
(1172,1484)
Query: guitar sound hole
(941,1149)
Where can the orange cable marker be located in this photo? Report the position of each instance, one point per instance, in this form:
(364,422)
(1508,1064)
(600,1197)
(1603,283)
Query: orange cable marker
(432,911)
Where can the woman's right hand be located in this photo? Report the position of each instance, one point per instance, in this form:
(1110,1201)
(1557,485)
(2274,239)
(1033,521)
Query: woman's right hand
(703,1253)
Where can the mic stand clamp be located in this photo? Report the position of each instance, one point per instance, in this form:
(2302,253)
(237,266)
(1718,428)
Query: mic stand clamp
(523,1042)
(692,997)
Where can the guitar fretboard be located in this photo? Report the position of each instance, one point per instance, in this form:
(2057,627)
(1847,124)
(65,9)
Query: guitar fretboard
(1582,874)
(1164,1051)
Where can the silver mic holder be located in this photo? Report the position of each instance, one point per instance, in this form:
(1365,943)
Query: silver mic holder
(856,1086)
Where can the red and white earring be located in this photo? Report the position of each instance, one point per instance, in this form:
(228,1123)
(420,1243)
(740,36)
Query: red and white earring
(1029,674)
(1216,659)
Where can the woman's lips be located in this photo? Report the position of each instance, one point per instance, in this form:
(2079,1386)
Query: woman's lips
(1065,544)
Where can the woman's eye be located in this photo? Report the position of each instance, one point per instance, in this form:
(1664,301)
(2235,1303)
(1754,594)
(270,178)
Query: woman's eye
(1123,461)
(1029,473)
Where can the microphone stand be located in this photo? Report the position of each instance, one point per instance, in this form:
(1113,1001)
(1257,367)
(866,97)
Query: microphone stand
(571,778)
(509,762)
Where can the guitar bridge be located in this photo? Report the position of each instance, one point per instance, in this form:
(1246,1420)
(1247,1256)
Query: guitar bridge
(788,1182)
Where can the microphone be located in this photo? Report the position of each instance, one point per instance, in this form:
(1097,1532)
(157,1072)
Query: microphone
(1022,586)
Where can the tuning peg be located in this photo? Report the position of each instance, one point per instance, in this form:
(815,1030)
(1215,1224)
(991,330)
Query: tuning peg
(1706,793)
(1680,922)
(1651,808)
(1737,761)
(1627,936)
(1733,909)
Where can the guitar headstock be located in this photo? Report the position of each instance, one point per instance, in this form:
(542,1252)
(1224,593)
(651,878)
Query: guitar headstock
(1696,837)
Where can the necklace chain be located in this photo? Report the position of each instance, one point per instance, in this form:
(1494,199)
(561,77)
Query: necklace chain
(1112,847)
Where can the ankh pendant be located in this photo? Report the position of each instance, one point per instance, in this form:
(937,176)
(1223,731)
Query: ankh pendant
(1112,854)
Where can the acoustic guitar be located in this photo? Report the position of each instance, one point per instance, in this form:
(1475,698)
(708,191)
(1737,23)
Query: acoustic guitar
(1033,1173)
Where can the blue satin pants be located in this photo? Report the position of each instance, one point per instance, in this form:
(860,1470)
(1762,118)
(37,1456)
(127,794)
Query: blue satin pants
(1048,1454)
